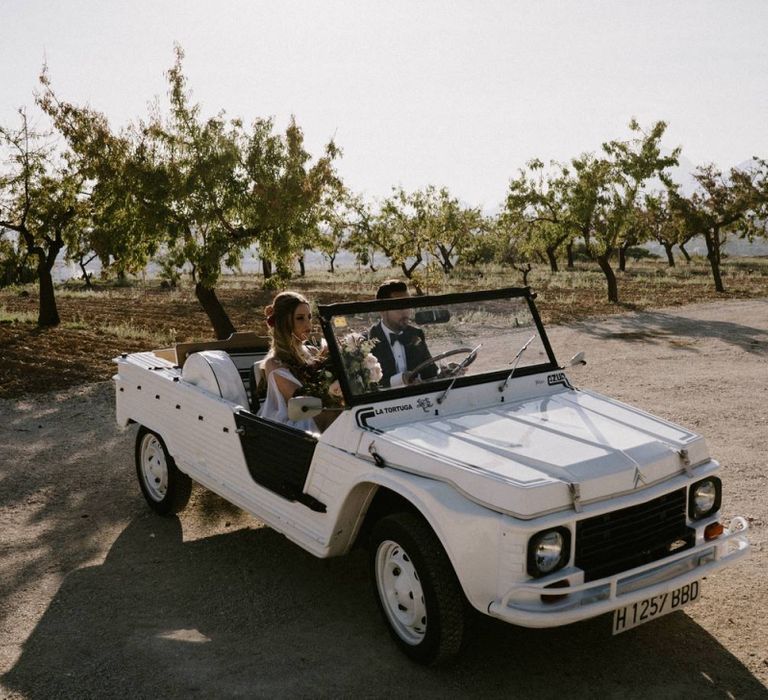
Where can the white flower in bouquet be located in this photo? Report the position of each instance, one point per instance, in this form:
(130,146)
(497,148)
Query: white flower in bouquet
(335,389)
(374,368)
(362,367)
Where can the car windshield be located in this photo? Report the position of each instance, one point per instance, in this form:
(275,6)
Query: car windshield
(417,342)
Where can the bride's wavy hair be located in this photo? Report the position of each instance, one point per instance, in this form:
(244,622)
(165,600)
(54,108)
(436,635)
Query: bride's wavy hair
(286,347)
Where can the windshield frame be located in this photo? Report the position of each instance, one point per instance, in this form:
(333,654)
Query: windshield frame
(326,313)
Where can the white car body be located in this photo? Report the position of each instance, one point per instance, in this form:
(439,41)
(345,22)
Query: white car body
(486,469)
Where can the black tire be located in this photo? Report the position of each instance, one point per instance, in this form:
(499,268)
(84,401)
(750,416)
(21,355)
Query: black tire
(165,488)
(404,539)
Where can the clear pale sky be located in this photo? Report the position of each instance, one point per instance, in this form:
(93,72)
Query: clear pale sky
(460,94)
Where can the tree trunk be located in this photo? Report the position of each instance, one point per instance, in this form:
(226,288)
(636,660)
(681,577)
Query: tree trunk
(524,270)
(222,326)
(444,258)
(266,268)
(569,253)
(552,258)
(332,260)
(712,239)
(610,277)
(86,275)
(408,271)
(670,256)
(684,252)
(623,258)
(48,314)
(302,267)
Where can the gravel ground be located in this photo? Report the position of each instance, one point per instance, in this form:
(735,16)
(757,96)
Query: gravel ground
(99,598)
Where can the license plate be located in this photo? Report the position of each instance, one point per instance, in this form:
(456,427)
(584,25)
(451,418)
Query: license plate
(649,609)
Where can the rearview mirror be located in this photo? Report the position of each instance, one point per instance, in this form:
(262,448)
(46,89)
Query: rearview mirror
(302,407)
(423,316)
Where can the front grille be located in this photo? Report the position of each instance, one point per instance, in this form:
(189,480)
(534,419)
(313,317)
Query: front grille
(623,539)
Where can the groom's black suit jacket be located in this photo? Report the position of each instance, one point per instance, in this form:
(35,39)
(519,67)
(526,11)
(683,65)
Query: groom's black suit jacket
(416,351)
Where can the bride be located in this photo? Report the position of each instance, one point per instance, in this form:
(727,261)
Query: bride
(290,321)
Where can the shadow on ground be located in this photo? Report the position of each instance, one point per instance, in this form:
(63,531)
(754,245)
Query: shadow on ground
(60,489)
(655,327)
(248,614)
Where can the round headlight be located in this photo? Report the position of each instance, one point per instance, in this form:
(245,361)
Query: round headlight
(548,551)
(704,498)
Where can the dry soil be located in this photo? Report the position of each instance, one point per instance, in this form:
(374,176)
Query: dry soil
(100,598)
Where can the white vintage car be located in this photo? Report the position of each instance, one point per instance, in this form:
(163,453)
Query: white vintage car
(492,484)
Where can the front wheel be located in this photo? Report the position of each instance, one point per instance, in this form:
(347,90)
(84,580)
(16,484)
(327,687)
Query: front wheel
(166,489)
(418,592)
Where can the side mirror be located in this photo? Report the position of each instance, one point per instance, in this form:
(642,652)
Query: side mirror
(577,359)
(301,407)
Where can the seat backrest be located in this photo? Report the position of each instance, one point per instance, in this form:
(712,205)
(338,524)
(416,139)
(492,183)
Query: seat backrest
(214,371)
(256,376)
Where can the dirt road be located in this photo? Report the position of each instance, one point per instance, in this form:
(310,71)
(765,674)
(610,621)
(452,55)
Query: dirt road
(99,598)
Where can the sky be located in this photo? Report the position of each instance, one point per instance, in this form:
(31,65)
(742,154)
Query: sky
(455,94)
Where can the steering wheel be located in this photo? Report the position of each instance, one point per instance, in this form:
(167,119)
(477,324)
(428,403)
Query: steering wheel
(471,355)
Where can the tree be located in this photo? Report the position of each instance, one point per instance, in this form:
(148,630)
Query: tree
(449,227)
(15,267)
(400,230)
(118,172)
(538,202)
(629,165)
(226,189)
(39,201)
(660,222)
(334,228)
(361,241)
(722,205)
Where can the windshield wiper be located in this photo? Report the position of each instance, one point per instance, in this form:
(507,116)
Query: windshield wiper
(516,360)
(462,365)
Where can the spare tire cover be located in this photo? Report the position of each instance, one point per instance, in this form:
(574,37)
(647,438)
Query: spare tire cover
(214,371)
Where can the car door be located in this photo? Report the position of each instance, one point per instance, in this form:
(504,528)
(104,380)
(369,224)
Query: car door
(278,456)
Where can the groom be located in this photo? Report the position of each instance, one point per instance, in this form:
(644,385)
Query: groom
(400,346)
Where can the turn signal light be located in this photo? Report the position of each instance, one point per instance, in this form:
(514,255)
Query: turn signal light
(713,531)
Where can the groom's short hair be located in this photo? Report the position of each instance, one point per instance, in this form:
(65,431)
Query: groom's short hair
(390,287)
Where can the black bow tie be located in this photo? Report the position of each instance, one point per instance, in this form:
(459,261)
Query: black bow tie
(395,337)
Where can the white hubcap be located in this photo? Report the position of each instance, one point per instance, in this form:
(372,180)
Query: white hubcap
(154,470)
(400,592)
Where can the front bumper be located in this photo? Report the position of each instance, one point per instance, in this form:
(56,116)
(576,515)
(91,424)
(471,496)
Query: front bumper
(522,604)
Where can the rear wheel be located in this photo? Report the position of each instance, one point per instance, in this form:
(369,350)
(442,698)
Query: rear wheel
(166,489)
(417,589)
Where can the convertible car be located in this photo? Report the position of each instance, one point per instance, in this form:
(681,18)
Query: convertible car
(490,483)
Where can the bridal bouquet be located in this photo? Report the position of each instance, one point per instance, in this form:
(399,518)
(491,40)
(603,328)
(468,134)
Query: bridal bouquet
(360,365)
(362,368)
(318,379)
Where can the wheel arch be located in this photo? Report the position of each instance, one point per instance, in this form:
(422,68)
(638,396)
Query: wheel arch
(467,531)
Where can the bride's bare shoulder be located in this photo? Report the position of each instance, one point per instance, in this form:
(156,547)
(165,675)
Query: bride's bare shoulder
(271,363)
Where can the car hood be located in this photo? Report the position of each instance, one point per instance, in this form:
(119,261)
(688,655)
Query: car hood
(537,456)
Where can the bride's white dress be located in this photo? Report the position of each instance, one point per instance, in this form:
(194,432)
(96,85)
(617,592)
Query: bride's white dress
(275,408)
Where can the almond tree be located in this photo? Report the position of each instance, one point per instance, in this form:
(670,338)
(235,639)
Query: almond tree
(722,205)
(226,188)
(661,223)
(118,184)
(362,237)
(450,227)
(629,166)
(400,230)
(39,201)
(539,203)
